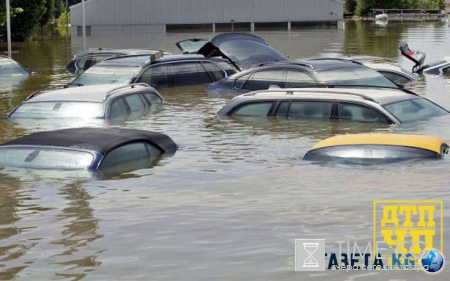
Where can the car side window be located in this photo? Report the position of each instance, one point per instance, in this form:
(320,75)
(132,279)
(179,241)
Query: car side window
(215,71)
(257,109)
(262,80)
(354,112)
(297,78)
(283,108)
(152,98)
(118,108)
(156,76)
(396,78)
(129,152)
(189,73)
(310,109)
(240,81)
(135,102)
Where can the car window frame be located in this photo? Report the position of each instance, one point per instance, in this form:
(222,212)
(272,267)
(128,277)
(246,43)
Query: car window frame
(240,105)
(300,70)
(283,78)
(146,143)
(333,111)
(202,63)
(388,119)
(170,76)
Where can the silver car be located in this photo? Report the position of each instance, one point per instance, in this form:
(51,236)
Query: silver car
(385,105)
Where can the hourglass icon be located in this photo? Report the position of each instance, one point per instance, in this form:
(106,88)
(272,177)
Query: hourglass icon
(310,248)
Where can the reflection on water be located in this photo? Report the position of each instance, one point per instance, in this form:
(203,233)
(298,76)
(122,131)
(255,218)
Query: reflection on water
(229,204)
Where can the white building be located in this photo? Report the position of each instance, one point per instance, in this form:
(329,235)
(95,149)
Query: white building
(161,15)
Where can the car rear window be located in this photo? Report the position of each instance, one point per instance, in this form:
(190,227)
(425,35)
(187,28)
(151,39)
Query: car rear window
(101,74)
(414,110)
(45,158)
(360,76)
(56,109)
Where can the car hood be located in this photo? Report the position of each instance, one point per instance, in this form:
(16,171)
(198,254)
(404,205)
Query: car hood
(242,50)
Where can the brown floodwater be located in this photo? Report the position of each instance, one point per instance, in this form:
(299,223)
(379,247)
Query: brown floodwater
(229,204)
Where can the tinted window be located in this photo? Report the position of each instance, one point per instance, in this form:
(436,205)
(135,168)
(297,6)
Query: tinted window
(135,102)
(152,98)
(45,158)
(128,153)
(310,109)
(259,109)
(414,110)
(262,80)
(396,78)
(354,76)
(282,110)
(101,74)
(239,82)
(156,76)
(215,71)
(353,112)
(47,110)
(118,108)
(297,78)
(189,73)
(446,70)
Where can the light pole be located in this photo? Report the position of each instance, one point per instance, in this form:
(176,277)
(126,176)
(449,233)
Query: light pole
(84,26)
(8,23)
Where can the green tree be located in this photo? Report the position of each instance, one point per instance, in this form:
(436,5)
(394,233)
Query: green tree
(49,11)
(350,6)
(24,22)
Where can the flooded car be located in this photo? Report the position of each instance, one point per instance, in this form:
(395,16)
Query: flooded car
(109,102)
(300,74)
(441,66)
(356,104)
(158,71)
(83,61)
(377,149)
(86,149)
(12,69)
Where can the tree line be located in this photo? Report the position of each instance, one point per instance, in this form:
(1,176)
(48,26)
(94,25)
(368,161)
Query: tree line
(363,7)
(27,15)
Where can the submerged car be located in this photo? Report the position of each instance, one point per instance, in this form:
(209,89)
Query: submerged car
(300,74)
(158,71)
(437,67)
(377,148)
(357,104)
(88,102)
(10,68)
(83,61)
(86,149)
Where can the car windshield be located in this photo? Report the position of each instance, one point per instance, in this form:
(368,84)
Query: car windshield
(57,109)
(102,74)
(247,53)
(45,158)
(11,68)
(414,110)
(356,76)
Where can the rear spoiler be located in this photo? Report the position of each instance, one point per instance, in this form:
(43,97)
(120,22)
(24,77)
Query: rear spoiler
(417,57)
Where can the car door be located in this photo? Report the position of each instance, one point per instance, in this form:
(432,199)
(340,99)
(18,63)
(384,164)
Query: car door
(305,109)
(360,113)
(189,73)
(263,79)
(156,76)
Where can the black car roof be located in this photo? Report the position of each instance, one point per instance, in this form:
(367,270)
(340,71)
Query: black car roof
(102,140)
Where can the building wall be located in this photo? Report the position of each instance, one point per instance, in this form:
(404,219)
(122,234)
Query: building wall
(162,12)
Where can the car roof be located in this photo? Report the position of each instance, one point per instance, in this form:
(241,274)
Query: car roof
(95,93)
(374,94)
(120,51)
(101,140)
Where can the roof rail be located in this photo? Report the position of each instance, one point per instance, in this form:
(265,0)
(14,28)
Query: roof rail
(339,59)
(115,90)
(48,89)
(357,86)
(156,56)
